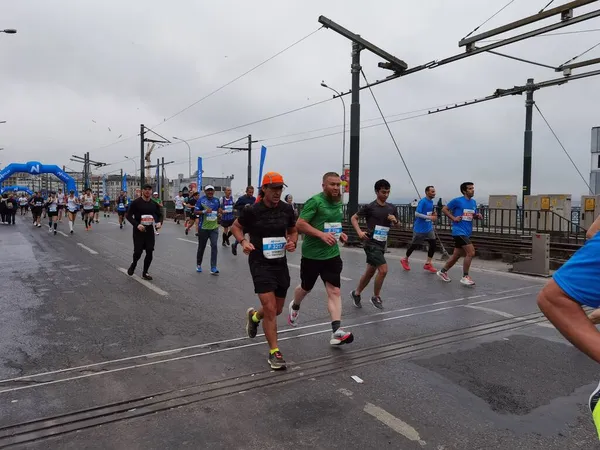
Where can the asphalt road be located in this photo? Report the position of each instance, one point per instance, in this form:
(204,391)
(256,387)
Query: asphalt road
(93,358)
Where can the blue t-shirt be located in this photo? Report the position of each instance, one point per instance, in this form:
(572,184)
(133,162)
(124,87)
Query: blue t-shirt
(227,206)
(122,204)
(106,200)
(208,221)
(425,206)
(461,207)
(578,277)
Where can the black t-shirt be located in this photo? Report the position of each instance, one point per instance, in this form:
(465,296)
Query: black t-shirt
(267,226)
(37,202)
(143,212)
(378,223)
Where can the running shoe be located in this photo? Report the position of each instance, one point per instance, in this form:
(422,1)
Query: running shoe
(71,231)
(594,409)
(376,302)
(276,361)
(251,325)
(467,281)
(146,276)
(405,264)
(293,315)
(54,232)
(199,269)
(444,276)
(186,231)
(341,337)
(131,270)
(121,226)
(429,268)
(214,271)
(356,299)
(234,249)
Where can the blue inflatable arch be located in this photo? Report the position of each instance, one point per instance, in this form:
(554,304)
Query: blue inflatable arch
(37,168)
(16,189)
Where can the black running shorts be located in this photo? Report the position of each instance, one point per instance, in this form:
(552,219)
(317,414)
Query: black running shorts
(461,241)
(270,278)
(179,212)
(330,271)
(227,223)
(143,240)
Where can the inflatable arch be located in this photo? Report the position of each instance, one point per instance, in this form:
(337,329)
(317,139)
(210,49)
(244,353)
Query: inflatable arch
(15,189)
(37,168)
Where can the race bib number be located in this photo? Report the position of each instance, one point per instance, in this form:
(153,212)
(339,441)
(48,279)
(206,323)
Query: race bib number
(333,227)
(467,215)
(211,216)
(274,248)
(147,220)
(228,209)
(121,205)
(380,233)
(72,209)
(429,214)
(38,203)
(52,208)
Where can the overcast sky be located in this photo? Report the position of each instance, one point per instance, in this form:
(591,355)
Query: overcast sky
(79,74)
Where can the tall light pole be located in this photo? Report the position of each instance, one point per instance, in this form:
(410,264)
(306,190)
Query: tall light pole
(135,164)
(344,133)
(9,31)
(189,154)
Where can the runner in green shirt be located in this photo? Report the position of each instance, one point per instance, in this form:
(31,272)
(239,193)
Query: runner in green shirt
(96,217)
(156,199)
(321,223)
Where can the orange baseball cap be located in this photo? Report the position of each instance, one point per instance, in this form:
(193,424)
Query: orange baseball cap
(273,179)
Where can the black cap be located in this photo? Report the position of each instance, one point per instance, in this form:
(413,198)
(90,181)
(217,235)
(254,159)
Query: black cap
(147,186)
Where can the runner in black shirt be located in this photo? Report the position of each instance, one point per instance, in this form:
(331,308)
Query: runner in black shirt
(37,203)
(271,225)
(143,213)
(380,216)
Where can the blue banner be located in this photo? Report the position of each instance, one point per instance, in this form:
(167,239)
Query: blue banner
(263,155)
(199,181)
(124,183)
(104,185)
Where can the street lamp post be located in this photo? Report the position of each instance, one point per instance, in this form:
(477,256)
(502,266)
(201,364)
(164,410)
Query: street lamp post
(133,161)
(344,132)
(9,31)
(189,154)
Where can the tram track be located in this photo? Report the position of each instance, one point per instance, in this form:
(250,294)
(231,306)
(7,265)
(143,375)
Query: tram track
(60,424)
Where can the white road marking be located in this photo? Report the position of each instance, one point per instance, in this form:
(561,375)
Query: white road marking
(394,423)
(188,240)
(358,379)
(114,223)
(143,282)
(509,316)
(64,234)
(93,252)
(296,266)
(210,352)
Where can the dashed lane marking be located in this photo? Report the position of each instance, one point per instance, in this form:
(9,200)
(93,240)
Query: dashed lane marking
(143,282)
(85,247)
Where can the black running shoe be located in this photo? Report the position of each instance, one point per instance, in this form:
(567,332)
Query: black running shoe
(356,299)
(276,361)
(251,325)
(234,249)
(146,276)
(131,270)
(376,301)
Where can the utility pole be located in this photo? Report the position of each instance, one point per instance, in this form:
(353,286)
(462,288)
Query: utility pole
(86,167)
(243,149)
(143,140)
(354,130)
(162,180)
(528,147)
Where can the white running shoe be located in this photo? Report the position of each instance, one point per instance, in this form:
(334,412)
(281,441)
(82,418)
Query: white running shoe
(467,281)
(293,315)
(341,337)
(444,276)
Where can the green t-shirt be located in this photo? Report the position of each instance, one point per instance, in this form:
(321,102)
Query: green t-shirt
(325,216)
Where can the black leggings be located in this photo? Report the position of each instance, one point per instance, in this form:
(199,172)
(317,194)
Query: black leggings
(430,252)
(143,240)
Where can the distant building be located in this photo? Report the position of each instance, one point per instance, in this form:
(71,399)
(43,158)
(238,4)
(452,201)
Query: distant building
(189,184)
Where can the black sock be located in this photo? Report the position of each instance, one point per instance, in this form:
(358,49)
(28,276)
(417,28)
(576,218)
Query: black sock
(444,270)
(465,274)
(335,325)
(295,307)
(55,225)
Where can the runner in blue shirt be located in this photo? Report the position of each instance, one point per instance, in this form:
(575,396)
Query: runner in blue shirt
(227,219)
(425,217)
(208,209)
(106,205)
(461,211)
(122,203)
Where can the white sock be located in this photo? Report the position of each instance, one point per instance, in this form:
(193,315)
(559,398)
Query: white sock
(70,226)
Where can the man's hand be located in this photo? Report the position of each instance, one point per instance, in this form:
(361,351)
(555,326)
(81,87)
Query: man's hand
(329,239)
(479,216)
(247,247)
(290,246)
(141,227)
(362,235)
(457,219)
(208,210)
(433,218)
(392,218)
(158,226)
(343,238)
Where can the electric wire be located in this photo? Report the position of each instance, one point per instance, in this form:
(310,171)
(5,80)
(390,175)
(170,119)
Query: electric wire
(563,147)
(444,252)
(544,8)
(493,15)
(581,54)
(592,30)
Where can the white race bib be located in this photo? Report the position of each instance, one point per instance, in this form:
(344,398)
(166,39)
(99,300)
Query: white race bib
(467,215)
(333,227)
(381,233)
(147,220)
(121,205)
(38,203)
(274,248)
(429,214)
(211,216)
(52,208)
(228,209)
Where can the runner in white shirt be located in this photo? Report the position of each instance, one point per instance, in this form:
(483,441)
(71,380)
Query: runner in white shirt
(60,200)
(52,207)
(72,207)
(88,208)
(179,209)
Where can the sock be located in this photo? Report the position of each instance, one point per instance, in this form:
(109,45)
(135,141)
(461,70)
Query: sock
(70,226)
(444,270)
(295,307)
(273,350)
(86,223)
(335,325)
(465,274)
(255,318)
(50,224)
(55,224)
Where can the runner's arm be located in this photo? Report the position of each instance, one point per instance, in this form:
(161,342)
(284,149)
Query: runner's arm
(159,214)
(237,231)
(447,213)
(131,215)
(306,228)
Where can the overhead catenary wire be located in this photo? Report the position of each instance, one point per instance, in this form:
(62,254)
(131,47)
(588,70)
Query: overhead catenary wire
(563,147)
(544,8)
(581,54)
(490,18)
(562,33)
(444,252)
